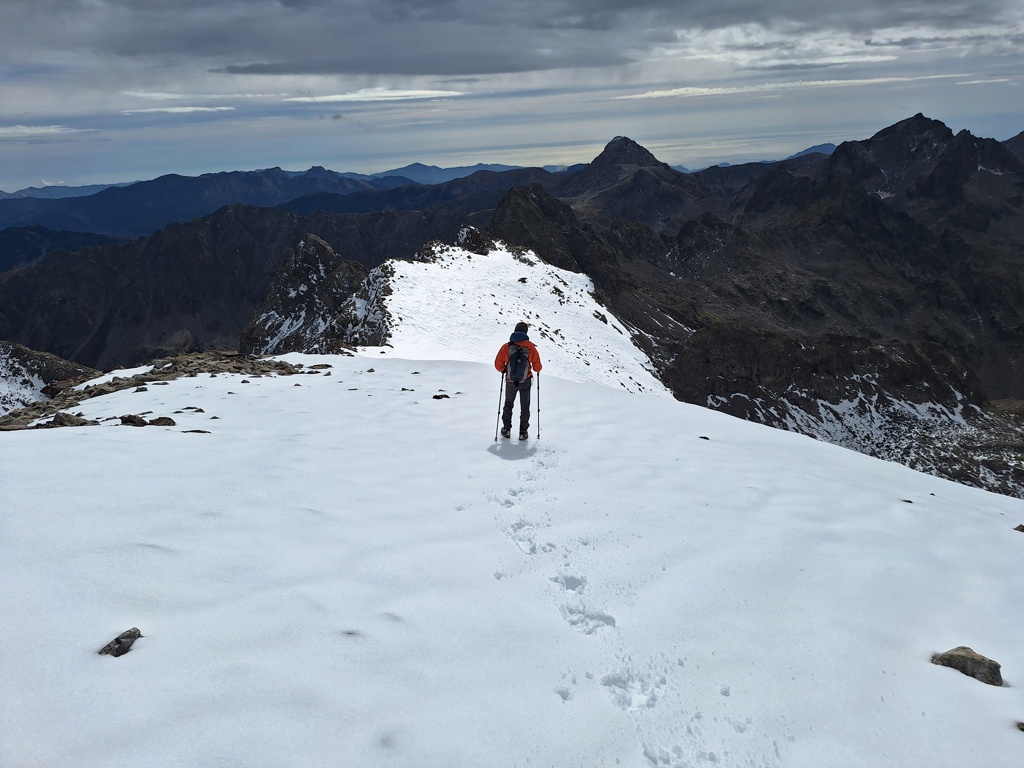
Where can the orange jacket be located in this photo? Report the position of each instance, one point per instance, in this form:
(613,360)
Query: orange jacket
(502,359)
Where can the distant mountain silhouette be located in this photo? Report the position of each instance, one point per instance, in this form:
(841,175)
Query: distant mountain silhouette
(56,192)
(819,149)
(432,174)
(482,190)
(143,208)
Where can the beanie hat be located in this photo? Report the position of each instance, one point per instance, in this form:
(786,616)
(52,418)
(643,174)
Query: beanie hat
(522,328)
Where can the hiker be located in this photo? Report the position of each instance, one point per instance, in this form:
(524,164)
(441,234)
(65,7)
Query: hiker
(518,378)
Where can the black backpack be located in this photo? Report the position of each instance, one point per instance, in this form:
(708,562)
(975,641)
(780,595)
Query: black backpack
(518,363)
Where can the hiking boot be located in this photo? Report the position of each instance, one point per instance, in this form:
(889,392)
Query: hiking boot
(506,432)
(524,436)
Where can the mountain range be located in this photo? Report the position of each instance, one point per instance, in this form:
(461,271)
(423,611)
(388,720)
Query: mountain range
(151,205)
(872,297)
(142,208)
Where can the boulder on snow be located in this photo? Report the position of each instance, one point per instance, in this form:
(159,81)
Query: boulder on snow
(1020,528)
(162,421)
(121,644)
(62,419)
(971,663)
(132,420)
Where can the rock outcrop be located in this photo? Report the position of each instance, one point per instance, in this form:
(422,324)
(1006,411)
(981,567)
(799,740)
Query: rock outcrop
(303,305)
(121,644)
(970,663)
(68,394)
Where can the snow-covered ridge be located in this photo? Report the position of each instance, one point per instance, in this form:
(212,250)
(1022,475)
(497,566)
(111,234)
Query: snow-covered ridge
(459,304)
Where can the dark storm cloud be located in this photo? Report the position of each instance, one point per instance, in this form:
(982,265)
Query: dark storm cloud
(436,37)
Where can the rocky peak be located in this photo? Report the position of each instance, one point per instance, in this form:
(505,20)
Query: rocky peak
(894,158)
(625,151)
(318,172)
(915,133)
(627,183)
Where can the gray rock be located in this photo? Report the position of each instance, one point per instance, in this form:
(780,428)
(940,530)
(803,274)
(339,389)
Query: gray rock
(121,644)
(1020,528)
(132,420)
(971,663)
(162,421)
(62,419)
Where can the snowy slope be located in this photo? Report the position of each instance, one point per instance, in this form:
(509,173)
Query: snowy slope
(344,571)
(456,304)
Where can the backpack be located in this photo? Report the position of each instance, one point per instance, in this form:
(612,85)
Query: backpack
(518,363)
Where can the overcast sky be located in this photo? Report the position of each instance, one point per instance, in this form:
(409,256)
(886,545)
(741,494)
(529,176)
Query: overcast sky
(96,91)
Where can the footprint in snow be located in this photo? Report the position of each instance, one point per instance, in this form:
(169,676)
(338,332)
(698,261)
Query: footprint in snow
(586,620)
(631,691)
(570,583)
(522,534)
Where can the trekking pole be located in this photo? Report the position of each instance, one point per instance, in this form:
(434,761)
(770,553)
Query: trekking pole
(501,389)
(538,405)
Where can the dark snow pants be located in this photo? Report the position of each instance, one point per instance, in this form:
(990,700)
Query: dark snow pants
(523,389)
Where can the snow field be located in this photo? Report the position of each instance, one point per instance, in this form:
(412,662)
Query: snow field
(349,572)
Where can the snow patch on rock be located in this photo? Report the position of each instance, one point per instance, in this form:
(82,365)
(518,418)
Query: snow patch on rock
(18,387)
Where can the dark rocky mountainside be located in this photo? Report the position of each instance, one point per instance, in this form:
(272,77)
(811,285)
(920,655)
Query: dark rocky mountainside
(119,305)
(142,208)
(463,197)
(873,297)
(728,181)
(21,246)
(189,286)
(1016,145)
